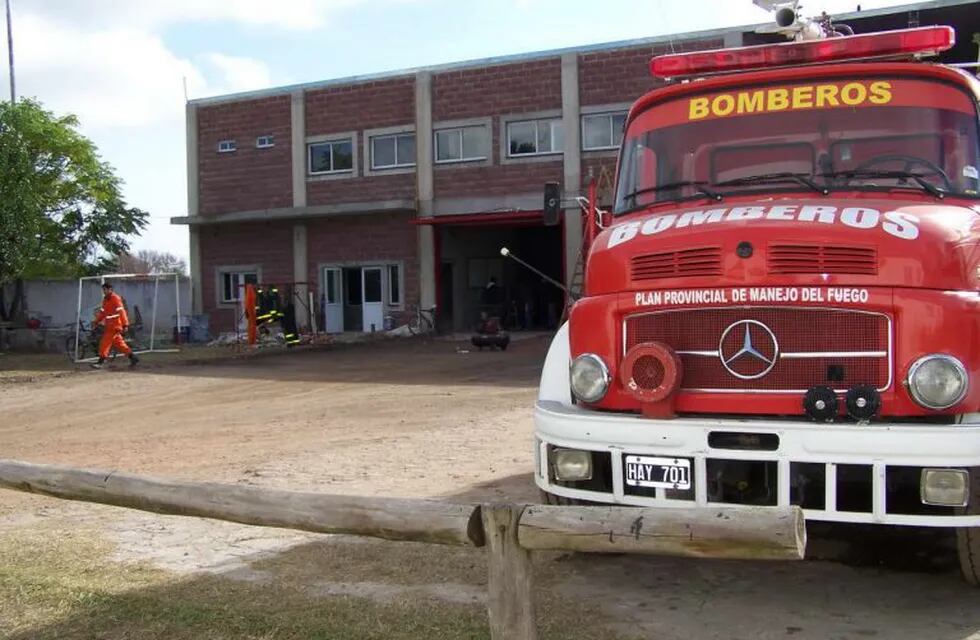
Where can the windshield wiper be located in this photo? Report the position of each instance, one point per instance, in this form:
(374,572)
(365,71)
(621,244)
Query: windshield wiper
(786,176)
(902,176)
(698,187)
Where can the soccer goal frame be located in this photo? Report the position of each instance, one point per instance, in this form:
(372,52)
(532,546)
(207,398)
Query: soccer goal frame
(157,278)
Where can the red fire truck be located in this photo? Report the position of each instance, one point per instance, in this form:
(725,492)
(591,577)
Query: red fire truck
(784,306)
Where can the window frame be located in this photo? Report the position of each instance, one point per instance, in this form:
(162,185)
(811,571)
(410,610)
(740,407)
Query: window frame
(612,131)
(396,165)
(400,280)
(537,123)
(236,270)
(227,146)
(265,142)
(339,136)
(459,129)
(330,141)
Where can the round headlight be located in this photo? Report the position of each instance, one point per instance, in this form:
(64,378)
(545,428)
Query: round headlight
(589,377)
(937,381)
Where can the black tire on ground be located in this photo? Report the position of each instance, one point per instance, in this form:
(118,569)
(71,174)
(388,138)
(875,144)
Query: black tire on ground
(968,538)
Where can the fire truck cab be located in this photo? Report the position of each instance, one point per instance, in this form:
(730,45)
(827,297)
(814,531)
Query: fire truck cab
(785,306)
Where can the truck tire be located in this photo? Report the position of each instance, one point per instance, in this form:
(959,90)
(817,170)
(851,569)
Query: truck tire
(968,538)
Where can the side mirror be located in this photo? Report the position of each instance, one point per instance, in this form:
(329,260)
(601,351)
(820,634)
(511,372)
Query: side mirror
(552,203)
(605,218)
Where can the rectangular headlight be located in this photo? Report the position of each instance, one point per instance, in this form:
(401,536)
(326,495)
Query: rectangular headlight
(571,464)
(945,487)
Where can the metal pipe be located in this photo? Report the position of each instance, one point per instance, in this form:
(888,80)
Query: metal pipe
(10,54)
(78,318)
(313,321)
(153,321)
(177,289)
(592,212)
(504,251)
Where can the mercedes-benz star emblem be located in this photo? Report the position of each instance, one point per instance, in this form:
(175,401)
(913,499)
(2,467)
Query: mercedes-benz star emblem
(748,349)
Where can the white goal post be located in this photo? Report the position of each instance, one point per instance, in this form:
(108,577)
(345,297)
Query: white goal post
(91,297)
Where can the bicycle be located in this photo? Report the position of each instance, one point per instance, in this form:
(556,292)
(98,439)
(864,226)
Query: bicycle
(88,342)
(90,336)
(422,321)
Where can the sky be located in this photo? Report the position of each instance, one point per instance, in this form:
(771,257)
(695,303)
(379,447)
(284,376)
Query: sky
(122,66)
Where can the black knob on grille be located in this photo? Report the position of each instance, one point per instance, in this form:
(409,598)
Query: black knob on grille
(863,402)
(820,404)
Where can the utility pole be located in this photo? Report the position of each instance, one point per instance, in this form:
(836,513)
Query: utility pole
(10,54)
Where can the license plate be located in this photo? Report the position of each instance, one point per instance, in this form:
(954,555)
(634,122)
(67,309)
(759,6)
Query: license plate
(659,473)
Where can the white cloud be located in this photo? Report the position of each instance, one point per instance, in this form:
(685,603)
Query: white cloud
(111,78)
(237,73)
(119,77)
(126,86)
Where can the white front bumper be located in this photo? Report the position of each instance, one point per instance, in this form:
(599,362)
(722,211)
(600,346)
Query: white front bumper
(877,446)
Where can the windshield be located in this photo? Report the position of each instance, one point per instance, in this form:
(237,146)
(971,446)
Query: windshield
(848,134)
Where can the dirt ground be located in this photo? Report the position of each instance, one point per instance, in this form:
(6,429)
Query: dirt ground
(423,419)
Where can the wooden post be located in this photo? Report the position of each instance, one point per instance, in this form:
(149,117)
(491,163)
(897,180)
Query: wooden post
(510,601)
(749,533)
(389,518)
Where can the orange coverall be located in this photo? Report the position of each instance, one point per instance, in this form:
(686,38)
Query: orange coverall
(113,315)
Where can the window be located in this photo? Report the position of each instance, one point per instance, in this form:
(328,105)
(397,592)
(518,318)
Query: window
(233,283)
(603,130)
(264,142)
(335,156)
(394,285)
(462,144)
(665,147)
(390,152)
(534,137)
(226,146)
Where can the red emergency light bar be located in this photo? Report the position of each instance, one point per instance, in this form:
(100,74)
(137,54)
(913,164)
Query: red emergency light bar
(885,44)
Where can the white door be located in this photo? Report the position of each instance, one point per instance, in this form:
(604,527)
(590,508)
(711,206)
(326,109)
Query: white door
(333,300)
(373,300)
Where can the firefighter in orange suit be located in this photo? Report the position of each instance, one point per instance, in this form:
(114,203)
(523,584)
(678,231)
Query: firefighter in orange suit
(113,317)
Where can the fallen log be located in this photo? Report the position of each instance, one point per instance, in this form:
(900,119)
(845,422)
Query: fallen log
(751,533)
(389,518)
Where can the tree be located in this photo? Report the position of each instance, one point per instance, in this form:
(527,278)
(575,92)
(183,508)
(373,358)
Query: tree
(149,261)
(62,213)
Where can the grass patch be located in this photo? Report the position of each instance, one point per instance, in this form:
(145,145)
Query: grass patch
(59,583)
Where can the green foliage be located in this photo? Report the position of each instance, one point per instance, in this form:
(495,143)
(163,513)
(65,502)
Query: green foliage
(61,209)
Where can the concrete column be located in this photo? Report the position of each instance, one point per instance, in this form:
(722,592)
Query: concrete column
(571,113)
(424,187)
(197,296)
(301,274)
(297,112)
(193,208)
(192,165)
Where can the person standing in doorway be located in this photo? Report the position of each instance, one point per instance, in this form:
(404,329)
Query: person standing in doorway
(115,321)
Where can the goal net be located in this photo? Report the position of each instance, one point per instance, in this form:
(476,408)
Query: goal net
(152,303)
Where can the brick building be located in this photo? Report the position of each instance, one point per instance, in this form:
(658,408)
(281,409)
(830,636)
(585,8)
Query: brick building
(379,193)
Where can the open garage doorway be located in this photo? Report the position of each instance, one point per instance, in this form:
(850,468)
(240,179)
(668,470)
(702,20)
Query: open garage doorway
(470,257)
